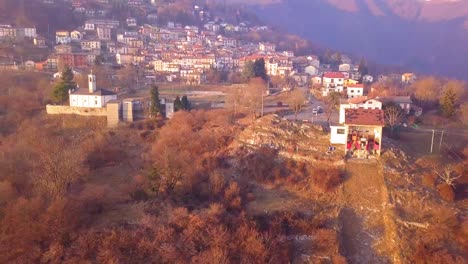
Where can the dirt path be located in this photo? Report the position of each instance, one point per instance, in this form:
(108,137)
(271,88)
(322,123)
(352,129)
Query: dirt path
(363,218)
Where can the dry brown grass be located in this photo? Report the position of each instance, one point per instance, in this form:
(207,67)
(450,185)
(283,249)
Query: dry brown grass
(326,179)
(446,192)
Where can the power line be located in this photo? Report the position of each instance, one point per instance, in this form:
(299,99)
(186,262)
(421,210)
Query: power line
(440,131)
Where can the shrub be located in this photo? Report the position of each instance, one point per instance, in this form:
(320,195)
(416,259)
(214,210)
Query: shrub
(231,196)
(326,179)
(262,165)
(7,191)
(446,192)
(429,180)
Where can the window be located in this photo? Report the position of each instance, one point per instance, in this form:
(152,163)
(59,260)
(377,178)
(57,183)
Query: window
(340,131)
(351,91)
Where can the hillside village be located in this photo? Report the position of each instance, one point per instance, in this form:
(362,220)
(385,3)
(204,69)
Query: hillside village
(160,131)
(190,54)
(172,51)
(134,53)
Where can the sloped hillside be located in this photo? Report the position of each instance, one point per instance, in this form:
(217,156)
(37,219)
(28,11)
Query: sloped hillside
(35,13)
(304,142)
(383,211)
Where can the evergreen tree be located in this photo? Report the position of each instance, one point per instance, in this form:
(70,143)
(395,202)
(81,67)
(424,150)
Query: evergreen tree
(98,60)
(363,68)
(448,102)
(185,103)
(155,108)
(248,70)
(259,69)
(61,90)
(67,76)
(178,104)
(335,60)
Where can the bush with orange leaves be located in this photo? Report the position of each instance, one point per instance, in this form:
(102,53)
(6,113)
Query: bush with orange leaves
(186,148)
(326,178)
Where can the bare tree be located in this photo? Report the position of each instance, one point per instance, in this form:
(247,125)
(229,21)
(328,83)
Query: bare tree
(427,90)
(393,115)
(464,113)
(170,167)
(253,96)
(234,100)
(332,104)
(60,164)
(296,101)
(448,175)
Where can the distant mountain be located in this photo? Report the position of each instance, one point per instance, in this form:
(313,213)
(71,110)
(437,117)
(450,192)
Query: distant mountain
(430,10)
(427,36)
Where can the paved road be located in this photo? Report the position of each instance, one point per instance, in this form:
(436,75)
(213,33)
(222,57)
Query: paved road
(306,113)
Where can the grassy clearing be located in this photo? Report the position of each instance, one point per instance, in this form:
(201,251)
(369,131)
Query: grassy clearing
(418,143)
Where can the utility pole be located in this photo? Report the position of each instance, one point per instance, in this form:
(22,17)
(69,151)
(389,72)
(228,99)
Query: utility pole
(235,108)
(138,77)
(262,104)
(432,141)
(263,94)
(441,138)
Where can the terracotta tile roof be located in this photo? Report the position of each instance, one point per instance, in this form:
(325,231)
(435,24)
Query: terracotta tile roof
(358,100)
(364,117)
(334,75)
(358,85)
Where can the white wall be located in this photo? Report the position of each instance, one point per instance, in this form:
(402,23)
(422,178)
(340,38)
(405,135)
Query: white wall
(336,82)
(342,112)
(311,70)
(91,101)
(355,92)
(335,137)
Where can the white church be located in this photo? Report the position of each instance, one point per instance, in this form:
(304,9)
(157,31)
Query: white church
(92,97)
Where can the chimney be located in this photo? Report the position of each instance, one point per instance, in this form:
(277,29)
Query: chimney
(92,83)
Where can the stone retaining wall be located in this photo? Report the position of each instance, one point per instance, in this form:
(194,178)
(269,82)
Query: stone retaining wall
(67,110)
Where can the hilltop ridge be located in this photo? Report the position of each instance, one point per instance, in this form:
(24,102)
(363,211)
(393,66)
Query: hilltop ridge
(427,37)
(432,10)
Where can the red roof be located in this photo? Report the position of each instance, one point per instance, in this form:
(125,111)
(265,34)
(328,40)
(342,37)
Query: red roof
(355,85)
(334,75)
(358,100)
(252,57)
(364,117)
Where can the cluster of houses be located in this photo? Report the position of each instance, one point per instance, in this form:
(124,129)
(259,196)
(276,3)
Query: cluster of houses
(16,33)
(176,52)
(188,53)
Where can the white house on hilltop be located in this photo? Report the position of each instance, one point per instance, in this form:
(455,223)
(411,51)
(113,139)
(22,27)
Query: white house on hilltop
(360,127)
(332,82)
(92,97)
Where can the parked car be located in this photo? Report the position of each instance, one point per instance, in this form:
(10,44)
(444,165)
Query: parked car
(314,111)
(320,110)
